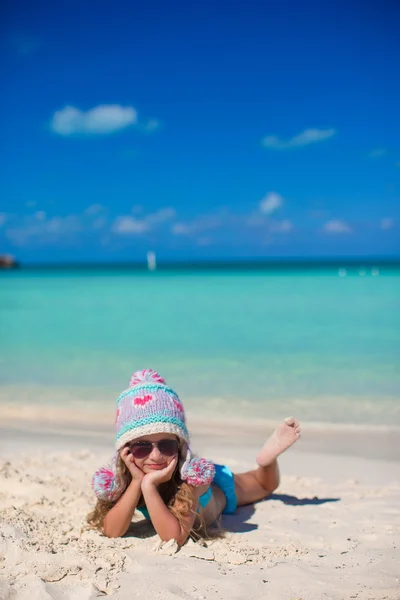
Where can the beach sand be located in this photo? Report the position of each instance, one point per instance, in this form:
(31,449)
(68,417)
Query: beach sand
(331,530)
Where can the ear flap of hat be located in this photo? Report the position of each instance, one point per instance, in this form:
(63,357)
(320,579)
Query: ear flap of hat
(185,456)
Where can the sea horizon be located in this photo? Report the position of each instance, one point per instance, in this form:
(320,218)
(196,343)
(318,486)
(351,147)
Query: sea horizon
(274,263)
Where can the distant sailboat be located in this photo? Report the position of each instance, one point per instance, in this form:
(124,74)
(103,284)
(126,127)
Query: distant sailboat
(151,261)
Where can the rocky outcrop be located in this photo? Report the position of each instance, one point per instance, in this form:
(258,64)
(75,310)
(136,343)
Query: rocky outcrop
(7,261)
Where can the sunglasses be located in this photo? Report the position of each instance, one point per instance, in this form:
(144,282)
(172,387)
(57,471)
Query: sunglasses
(165,447)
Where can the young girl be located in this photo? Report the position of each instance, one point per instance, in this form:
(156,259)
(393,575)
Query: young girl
(155,473)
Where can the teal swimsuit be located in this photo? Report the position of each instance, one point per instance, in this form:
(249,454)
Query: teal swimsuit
(224,480)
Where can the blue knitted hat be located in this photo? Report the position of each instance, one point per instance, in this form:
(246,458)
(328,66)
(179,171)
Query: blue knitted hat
(149,406)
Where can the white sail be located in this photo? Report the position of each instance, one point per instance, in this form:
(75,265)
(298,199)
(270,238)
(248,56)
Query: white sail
(151,261)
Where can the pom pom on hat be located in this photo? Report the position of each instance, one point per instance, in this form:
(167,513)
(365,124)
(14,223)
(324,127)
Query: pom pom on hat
(198,471)
(106,485)
(145,376)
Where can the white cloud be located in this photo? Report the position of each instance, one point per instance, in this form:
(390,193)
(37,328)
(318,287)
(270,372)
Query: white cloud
(94,216)
(160,216)
(387,223)
(270,203)
(377,152)
(203,223)
(31,229)
(336,226)
(61,225)
(181,229)
(125,224)
(40,229)
(102,119)
(281,226)
(305,138)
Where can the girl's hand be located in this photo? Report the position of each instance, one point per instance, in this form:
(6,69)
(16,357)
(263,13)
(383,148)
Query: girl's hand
(137,474)
(162,476)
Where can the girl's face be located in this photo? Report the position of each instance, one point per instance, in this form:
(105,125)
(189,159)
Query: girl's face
(155,461)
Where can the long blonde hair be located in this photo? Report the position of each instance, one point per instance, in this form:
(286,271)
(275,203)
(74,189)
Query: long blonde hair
(177,495)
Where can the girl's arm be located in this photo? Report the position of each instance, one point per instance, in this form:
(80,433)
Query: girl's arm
(164,522)
(118,519)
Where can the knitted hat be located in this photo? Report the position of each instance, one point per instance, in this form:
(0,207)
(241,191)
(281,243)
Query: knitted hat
(149,406)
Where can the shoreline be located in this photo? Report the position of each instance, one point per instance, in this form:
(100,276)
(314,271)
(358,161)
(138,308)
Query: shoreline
(377,443)
(69,404)
(42,412)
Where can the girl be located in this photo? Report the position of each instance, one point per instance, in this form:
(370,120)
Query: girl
(154,471)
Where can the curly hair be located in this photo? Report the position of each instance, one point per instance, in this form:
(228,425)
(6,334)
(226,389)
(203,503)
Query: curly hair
(177,495)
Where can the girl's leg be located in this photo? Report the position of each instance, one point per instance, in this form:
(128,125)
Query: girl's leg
(261,482)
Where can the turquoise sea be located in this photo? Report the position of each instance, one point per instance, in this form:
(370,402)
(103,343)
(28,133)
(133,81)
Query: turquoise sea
(238,343)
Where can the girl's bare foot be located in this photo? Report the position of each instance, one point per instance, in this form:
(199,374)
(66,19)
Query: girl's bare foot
(284,436)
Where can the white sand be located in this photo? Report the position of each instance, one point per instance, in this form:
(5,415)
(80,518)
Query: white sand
(343,545)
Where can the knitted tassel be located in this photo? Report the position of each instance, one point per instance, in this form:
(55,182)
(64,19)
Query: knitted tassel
(106,484)
(145,376)
(199,471)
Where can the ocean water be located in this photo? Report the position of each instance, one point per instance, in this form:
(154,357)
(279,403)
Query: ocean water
(245,344)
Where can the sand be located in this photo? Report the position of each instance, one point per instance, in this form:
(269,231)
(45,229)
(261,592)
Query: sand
(331,530)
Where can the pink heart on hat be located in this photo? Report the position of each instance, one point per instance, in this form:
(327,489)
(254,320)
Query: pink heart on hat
(142,400)
(178,405)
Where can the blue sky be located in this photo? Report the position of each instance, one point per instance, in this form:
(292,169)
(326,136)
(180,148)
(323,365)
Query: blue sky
(199,130)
